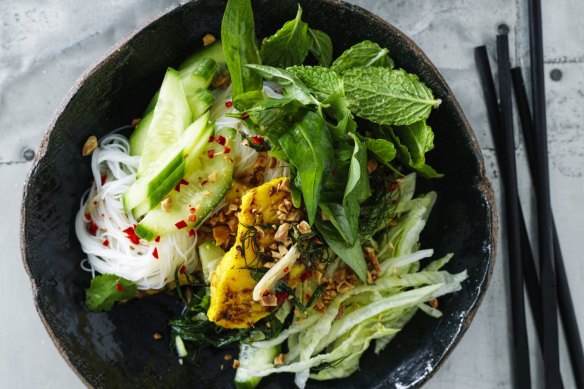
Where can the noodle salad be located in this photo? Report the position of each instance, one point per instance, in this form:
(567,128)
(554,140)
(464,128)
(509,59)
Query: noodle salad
(271,189)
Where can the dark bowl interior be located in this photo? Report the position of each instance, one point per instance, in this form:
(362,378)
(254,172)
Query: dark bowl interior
(116,349)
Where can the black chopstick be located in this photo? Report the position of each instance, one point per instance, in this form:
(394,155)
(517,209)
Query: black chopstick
(528,261)
(544,218)
(566,304)
(520,342)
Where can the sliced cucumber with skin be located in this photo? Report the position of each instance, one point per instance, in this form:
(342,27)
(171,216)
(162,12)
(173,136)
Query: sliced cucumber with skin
(138,137)
(214,50)
(156,183)
(209,254)
(197,72)
(208,181)
(161,191)
(200,101)
(171,116)
(253,358)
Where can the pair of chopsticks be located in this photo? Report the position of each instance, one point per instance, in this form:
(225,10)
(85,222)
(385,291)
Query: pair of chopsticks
(541,290)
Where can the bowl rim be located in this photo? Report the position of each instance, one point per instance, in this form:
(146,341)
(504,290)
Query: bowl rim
(483,186)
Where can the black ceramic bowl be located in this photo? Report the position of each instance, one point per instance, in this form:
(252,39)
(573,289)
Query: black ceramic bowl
(116,349)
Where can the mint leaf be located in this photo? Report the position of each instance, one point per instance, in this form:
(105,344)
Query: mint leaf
(413,142)
(106,289)
(320,80)
(321,47)
(293,87)
(366,53)
(309,148)
(384,96)
(289,45)
(382,149)
(240,47)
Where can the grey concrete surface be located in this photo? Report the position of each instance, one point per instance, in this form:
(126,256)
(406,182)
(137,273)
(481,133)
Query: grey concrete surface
(46,45)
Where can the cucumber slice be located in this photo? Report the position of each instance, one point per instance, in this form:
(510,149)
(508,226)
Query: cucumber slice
(209,254)
(200,77)
(171,116)
(138,137)
(200,101)
(169,168)
(208,181)
(254,358)
(214,50)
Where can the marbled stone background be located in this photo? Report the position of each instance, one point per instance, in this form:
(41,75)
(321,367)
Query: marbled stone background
(46,45)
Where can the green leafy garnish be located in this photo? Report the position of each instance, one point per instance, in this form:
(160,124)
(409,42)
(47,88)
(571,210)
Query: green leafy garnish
(321,46)
(382,149)
(365,53)
(293,87)
(385,96)
(320,80)
(240,48)
(412,143)
(289,45)
(106,289)
(309,149)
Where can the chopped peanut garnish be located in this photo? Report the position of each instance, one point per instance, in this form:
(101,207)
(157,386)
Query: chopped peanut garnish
(221,234)
(279,360)
(235,364)
(166,204)
(282,233)
(208,39)
(304,227)
(371,166)
(89,146)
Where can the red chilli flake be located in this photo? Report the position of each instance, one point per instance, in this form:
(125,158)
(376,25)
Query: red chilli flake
(183,182)
(306,275)
(92,228)
(131,234)
(257,140)
(229,104)
(192,218)
(211,139)
(226,149)
(245,116)
(221,140)
(282,296)
(181,224)
(204,182)
(177,187)
(192,232)
(155,253)
(157,239)
(182,269)
(211,153)
(286,269)
(87,217)
(103,179)
(265,292)
(393,186)
(119,287)
(106,243)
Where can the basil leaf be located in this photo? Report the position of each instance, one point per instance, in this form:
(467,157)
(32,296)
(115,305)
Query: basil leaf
(292,85)
(240,47)
(289,45)
(320,80)
(273,117)
(309,149)
(106,289)
(366,53)
(321,47)
(384,96)
(358,180)
(335,213)
(412,143)
(352,255)
(382,149)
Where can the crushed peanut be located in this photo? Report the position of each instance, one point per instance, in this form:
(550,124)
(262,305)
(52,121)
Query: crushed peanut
(279,359)
(282,233)
(136,121)
(372,257)
(227,357)
(166,204)
(434,303)
(157,336)
(371,166)
(269,300)
(304,227)
(221,234)
(89,146)
(221,80)
(208,39)
(235,364)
